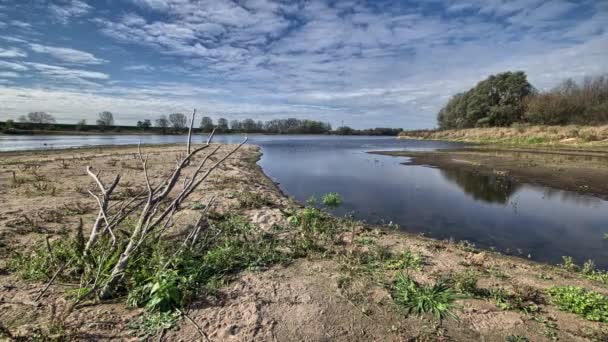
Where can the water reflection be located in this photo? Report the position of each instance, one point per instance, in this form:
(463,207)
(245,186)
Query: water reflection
(487,188)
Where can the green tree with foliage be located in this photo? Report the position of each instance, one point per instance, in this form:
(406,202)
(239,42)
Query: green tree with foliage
(495,101)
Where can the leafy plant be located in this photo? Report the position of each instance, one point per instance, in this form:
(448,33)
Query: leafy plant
(437,299)
(591,305)
(151,323)
(332,200)
(516,338)
(466,282)
(407,260)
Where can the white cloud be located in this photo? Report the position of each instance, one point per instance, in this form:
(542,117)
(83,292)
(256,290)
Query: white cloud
(12,66)
(65,10)
(139,67)
(55,71)
(12,53)
(8,74)
(67,55)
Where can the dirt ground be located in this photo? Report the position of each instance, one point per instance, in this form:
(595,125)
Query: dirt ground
(318,298)
(573,170)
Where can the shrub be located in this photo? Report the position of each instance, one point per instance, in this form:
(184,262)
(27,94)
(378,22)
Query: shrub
(591,305)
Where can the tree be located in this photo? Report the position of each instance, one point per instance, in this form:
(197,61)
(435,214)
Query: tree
(106,119)
(207,124)
(38,118)
(178,120)
(248,125)
(144,124)
(235,125)
(163,123)
(496,101)
(81,125)
(222,124)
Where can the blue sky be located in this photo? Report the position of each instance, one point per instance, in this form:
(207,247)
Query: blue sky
(364,63)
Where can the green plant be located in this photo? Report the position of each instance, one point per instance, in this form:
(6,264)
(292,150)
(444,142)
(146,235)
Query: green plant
(151,323)
(437,299)
(569,264)
(332,200)
(516,338)
(523,298)
(466,282)
(591,305)
(549,326)
(407,260)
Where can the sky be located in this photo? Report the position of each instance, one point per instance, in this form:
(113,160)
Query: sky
(363,64)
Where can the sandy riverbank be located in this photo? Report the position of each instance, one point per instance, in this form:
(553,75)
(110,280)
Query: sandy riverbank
(340,291)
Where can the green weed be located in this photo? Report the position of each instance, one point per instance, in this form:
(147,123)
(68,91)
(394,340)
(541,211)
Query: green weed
(437,299)
(465,282)
(516,338)
(332,200)
(152,323)
(591,305)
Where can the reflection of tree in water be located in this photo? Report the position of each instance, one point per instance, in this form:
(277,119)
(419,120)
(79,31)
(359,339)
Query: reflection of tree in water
(487,188)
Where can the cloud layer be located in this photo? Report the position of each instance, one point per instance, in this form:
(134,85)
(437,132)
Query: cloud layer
(376,63)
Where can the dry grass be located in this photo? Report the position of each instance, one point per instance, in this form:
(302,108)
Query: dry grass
(571,135)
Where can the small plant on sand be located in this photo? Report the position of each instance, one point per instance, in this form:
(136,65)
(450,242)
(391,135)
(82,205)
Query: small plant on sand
(516,338)
(314,227)
(152,323)
(407,261)
(465,282)
(332,200)
(591,305)
(569,264)
(523,298)
(437,300)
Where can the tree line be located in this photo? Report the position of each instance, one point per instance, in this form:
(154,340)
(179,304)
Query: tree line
(178,122)
(507,98)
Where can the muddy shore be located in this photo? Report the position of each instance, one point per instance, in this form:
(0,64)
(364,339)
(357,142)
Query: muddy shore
(342,294)
(582,171)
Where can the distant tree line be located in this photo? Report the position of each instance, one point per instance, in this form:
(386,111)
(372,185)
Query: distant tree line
(178,123)
(507,98)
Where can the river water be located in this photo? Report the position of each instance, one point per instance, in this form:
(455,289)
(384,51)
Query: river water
(521,219)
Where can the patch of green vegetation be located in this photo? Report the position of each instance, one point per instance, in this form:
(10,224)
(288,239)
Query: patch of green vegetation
(314,228)
(549,327)
(367,261)
(569,264)
(587,270)
(465,282)
(332,200)
(152,323)
(496,273)
(591,305)
(252,200)
(437,300)
(523,298)
(163,276)
(544,276)
(407,260)
(516,338)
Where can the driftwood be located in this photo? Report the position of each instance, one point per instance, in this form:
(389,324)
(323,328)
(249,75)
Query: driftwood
(155,208)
